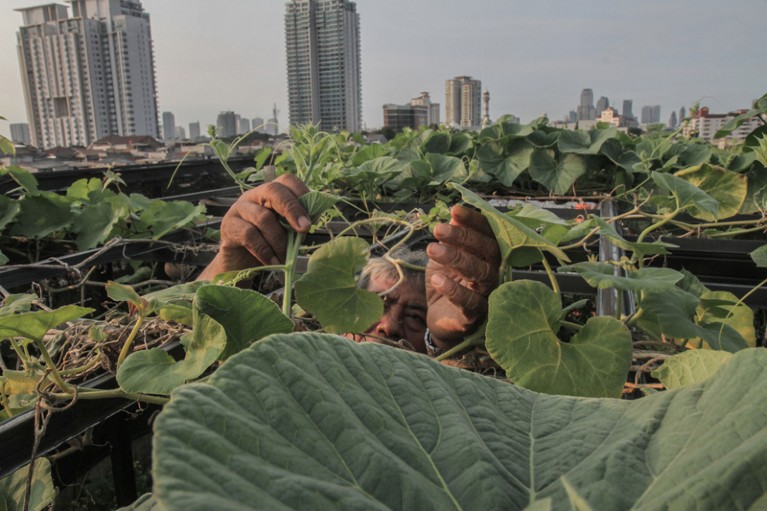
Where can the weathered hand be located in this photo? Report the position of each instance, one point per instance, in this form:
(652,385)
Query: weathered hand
(251,233)
(461,273)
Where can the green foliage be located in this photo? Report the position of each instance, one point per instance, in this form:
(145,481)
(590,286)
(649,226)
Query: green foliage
(524,320)
(13,488)
(690,367)
(314,421)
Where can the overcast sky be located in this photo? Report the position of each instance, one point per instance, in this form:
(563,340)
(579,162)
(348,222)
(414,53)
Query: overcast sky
(533,56)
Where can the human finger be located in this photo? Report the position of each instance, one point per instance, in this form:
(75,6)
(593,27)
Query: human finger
(473,305)
(242,234)
(470,218)
(268,225)
(282,198)
(469,239)
(478,274)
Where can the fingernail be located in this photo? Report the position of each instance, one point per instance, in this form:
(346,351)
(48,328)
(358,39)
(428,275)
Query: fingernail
(437,279)
(437,249)
(304,222)
(441,230)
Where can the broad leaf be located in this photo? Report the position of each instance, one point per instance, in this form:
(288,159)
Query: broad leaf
(34,325)
(557,177)
(726,187)
(9,208)
(311,421)
(686,193)
(94,225)
(510,233)
(759,256)
(672,312)
(317,203)
(124,293)
(524,319)
(602,275)
(40,215)
(725,308)
(23,177)
(690,367)
(641,248)
(154,371)
(245,315)
(13,488)
(329,289)
(445,168)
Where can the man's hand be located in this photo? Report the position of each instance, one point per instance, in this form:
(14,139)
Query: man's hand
(251,233)
(461,273)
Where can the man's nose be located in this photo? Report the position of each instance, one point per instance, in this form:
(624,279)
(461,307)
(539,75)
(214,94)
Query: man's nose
(388,326)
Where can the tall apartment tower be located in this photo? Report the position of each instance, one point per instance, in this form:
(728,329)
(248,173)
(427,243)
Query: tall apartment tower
(463,102)
(322,44)
(586,110)
(168,126)
(89,75)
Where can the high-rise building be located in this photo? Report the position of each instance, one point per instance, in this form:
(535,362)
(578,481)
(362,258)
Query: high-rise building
(89,75)
(194,130)
(226,124)
(682,114)
(586,110)
(20,133)
(650,114)
(257,123)
(180,133)
(672,122)
(244,125)
(628,109)
(602,104)
(463,102)
(168,126)
(432,108)
(323,60)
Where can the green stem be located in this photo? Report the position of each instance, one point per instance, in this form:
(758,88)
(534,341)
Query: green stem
(631,321)
(474,339)
(735,233)
(52,366)
(294,243)
(570,325)
(129,341)
(650,228)
(114,393)
(20,353)
(550,273)
(77,370)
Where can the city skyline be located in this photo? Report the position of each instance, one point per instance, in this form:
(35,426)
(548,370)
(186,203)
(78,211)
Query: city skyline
(532,57)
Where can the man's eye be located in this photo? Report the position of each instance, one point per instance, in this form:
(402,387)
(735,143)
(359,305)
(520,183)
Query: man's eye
(415,317)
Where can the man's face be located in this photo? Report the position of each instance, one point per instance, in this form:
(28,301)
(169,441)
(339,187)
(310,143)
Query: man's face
(404,314)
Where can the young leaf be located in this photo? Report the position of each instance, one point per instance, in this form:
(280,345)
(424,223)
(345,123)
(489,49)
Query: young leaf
(690,367)
(524,318)
(40,215)
(317,203)
(9,208)
(34,325)
(329,290)
(601,276)
(245,315)
(510,233)
(94,225)
(557,177)
(312,421)
(122,293)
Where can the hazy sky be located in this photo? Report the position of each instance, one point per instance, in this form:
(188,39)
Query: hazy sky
(533,56)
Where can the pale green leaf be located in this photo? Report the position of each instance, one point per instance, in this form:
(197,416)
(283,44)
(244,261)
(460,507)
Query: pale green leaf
(602,276)
(510,233)
(524,319)
(759,256)
(312,421)
(245,315)
(557,177)
(726,187)
(13,488)
(34,325)
(9,208)
(329,289)
(690,367)
(93,225)
(41,215)
(317,203)
(686,193)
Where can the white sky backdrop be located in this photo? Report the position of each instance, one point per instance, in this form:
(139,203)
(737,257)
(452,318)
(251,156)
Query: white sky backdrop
(533,56)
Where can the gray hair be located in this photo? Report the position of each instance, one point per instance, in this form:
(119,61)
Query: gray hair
(380,267)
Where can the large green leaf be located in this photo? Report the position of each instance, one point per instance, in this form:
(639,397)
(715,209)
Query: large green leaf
(640,248)
(759,256)
(23,177)
(311,421)
(671,313)
(511,233)
(724,307)
(505,162)
(524,319)
(329,289)
(686,193)
(94,224)
(584,142)
(13,488)
(9,208)
(601,276)
(317,203)
(154,371)
(445,168)
(690,367)
(557,177)
(728,188)
(34,325)
(245,315)
(40,215)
